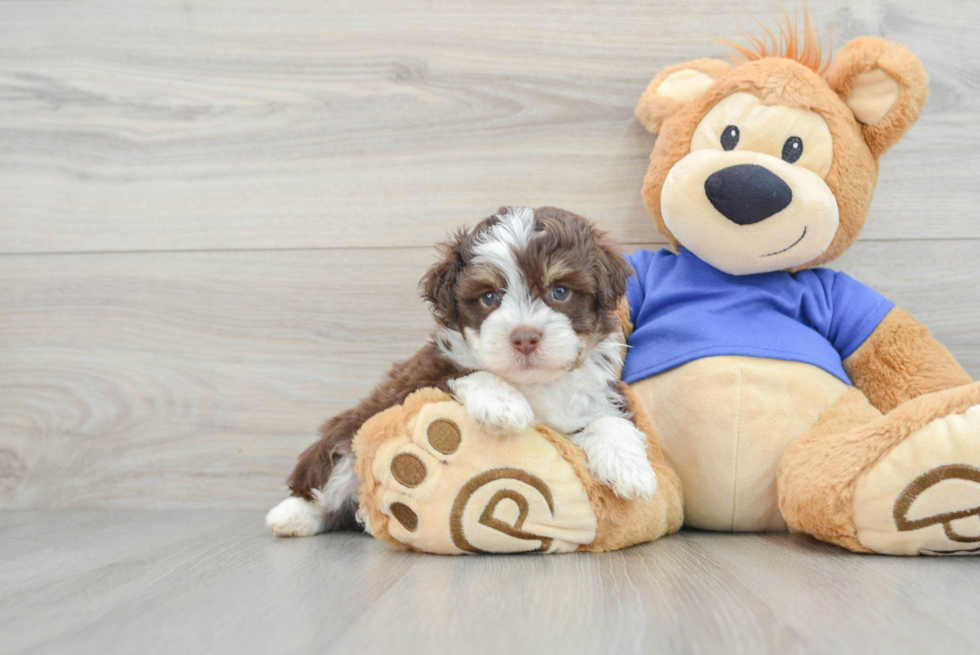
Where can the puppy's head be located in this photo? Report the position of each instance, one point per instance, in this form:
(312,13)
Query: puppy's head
(527,294)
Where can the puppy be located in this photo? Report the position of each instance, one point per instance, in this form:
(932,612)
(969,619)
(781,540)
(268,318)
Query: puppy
(526,333)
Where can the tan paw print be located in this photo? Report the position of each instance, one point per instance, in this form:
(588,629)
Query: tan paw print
(440,484)
(923,497)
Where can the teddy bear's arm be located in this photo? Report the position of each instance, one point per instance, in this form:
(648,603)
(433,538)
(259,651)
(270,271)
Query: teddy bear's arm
(900,361)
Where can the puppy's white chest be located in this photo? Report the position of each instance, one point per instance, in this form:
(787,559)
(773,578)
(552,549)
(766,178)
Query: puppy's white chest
(567,405)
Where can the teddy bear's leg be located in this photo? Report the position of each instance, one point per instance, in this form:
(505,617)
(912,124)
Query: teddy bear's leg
(434,481)
(903,483)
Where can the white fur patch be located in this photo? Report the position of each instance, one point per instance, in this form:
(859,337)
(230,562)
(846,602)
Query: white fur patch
(296,517)
(452,345)
(364,521)
(496,246)
(618,457)
(572,401)
(494,404)
(341,488)
(558,351)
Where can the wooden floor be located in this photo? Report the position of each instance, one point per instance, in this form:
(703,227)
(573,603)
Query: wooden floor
(205,581)
(213,217)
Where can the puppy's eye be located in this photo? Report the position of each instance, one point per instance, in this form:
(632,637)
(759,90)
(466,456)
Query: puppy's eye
(490,299)
(729,138)
(561,293)
(792,149)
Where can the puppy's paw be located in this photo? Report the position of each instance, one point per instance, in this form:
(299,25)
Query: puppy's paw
(501,413)
(617,456)
(634,481)
(296,517)
(493,404)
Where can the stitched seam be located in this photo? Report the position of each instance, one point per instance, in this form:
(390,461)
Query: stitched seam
(738,426)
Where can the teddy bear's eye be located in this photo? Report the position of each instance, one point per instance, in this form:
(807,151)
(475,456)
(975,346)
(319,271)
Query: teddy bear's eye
(792,149)
(729,138)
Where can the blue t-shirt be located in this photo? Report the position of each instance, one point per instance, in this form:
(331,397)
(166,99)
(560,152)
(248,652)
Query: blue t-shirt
(684,309)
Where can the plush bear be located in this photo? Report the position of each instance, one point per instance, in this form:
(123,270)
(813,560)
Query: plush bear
(788,396)
(783,395)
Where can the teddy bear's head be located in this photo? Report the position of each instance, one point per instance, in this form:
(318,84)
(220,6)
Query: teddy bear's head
(770,165)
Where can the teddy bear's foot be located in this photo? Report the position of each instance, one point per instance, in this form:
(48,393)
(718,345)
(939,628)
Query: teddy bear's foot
(436,482)
(923,496)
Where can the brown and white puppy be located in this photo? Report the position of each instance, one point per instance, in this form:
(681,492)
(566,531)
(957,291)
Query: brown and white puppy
(527,332)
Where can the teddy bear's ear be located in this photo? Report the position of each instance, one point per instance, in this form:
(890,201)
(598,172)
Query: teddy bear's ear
(676,86)
(884,85)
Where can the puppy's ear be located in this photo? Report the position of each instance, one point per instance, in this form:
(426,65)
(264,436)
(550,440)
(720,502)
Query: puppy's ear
(675,87)
(613,272)
(884,85)
(438,285)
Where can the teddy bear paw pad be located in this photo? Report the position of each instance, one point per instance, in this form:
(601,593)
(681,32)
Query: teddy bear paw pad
(924,496)
(448,486)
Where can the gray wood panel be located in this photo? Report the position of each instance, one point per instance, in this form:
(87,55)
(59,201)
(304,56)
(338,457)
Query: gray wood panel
(172,124)
(213,215)
(194,379)
(201,581)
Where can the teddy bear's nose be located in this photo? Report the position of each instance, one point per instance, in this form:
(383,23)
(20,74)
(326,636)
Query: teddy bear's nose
(747,193)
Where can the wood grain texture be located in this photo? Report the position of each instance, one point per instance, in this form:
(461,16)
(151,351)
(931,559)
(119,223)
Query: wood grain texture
(195,379)
(201,581)
(175,124)
(213,215)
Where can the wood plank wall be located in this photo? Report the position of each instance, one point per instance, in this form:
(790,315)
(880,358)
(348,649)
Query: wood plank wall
(213,215)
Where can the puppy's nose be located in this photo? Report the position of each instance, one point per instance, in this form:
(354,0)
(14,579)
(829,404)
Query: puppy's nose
(525,340)
(747,193)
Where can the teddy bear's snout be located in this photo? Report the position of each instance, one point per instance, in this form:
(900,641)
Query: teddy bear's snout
(747,193)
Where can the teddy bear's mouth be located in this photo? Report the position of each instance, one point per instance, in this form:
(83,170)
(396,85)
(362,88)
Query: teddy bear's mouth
(789,247)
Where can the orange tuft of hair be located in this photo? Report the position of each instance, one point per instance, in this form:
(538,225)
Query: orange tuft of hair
(803,46)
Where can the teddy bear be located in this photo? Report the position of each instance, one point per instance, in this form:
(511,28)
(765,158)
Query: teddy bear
(776,394)
(785,395)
